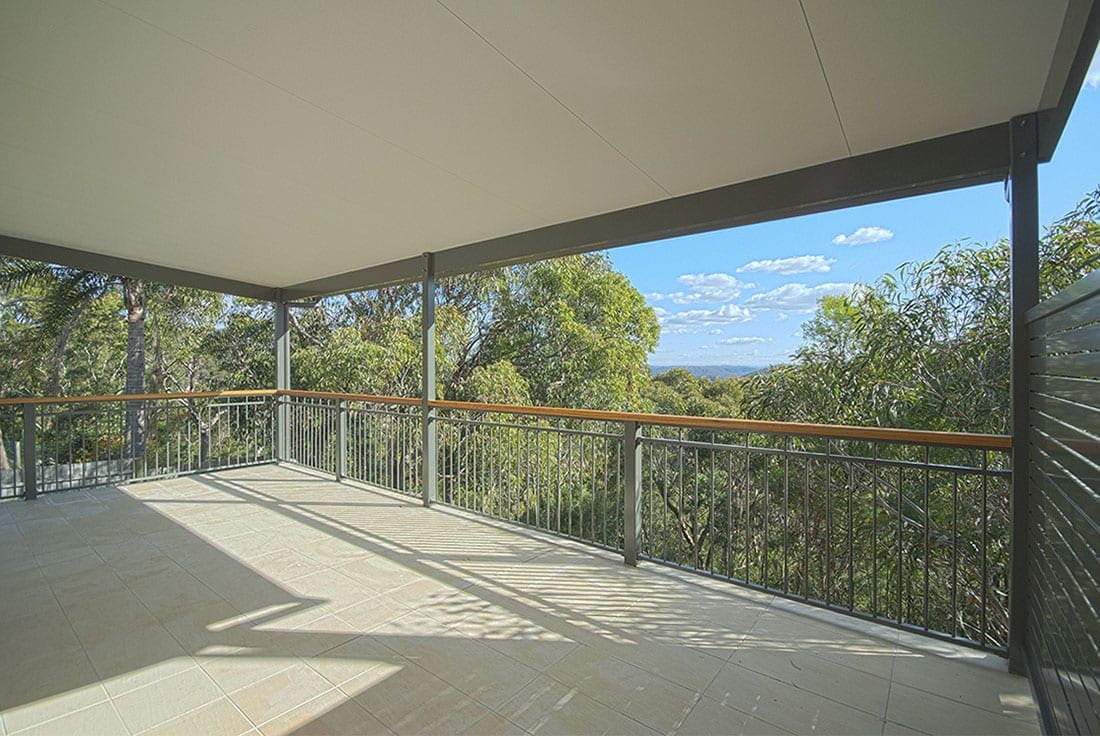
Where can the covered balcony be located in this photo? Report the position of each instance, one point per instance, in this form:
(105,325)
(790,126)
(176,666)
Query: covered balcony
(224,580)
(278,561)
(273,599)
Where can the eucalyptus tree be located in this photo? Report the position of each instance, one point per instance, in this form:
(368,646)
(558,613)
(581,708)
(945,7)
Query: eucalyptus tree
(66,294)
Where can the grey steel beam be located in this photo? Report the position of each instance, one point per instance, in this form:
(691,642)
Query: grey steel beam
(430,430)
(1078,43)
(1024,200)
(282,379)
(975,157)
(35,251)
(404,271)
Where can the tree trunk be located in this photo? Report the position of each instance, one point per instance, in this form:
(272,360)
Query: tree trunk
(134,298)
(5,464)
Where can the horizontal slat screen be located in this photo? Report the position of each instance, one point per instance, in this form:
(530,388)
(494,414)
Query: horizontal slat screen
(1063,631)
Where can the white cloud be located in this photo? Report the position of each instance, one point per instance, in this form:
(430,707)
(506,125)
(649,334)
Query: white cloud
(743,340)
(704,287)
(863,236)
(693,320)
(788,266)
(715,331)
(796,297)
(1092,76)
(782,316)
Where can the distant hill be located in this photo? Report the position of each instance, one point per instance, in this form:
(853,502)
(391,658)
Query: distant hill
(709,371)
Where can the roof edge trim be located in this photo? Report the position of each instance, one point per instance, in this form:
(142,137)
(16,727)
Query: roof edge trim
(1053,121)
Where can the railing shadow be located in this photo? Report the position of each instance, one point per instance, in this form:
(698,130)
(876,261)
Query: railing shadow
(557,593)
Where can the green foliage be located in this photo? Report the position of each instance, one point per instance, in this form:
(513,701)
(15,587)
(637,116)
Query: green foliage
(677,391)
(928,348)
(577,331)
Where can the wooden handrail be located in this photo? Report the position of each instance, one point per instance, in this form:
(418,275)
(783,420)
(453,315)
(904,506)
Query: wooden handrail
(136,397)
(372,398)
(837,431)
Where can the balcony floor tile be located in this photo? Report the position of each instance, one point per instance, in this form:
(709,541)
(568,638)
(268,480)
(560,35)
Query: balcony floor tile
(268,600)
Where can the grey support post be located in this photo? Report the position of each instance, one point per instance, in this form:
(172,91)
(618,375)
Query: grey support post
(30,455)
(1024,201)
(341,439)
(632,493)
(430,444)
(282,378)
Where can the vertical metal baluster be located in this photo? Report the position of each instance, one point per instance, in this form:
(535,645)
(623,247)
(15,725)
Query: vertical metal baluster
(500,469)
(680,446)
(581,473)
(927,525)
(485,495)
(786,511)
(874,529)
(95,443)
(607,489)
(851,536)
(695,470)
(519,491)
(666,520)
(647,499)
(985,546)
(746,528)
(536,437)
(592,504)
(765,563)
(507,484)
(955,553)
(190,447)
(729,513)
(557,474)
(523,439)
(712,491)
(533,471)
(806,529)
(901,527)
(72,434)
(828,522)
(473,488)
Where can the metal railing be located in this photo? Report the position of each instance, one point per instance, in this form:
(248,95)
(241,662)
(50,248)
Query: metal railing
(371,439)
(557,474)
(910,534)
(63,443)
(906,528)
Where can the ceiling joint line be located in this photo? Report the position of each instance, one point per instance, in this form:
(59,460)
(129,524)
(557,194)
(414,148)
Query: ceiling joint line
(315,106)
(828,87)
(555,98)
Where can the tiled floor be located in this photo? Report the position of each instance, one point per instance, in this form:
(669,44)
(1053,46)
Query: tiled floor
(266,600)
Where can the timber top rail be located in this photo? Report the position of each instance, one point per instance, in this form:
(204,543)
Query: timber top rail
(836,431)
(98,398)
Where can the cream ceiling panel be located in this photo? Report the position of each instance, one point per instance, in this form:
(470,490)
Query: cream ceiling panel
(697,94)
(908,71)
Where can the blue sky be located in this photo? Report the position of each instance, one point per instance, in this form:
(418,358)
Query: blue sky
(740,296)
